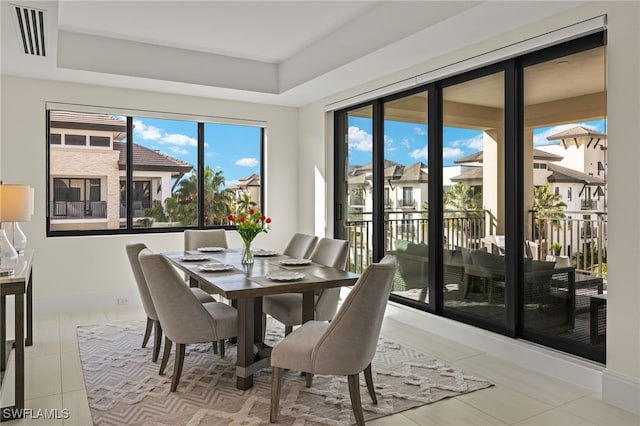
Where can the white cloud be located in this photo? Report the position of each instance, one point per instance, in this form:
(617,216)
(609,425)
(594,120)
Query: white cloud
(247,162)
(179,139)
(474,143)
(146,132)
(231,182)
(448,152)
(178,150)
(405,143)
(359,139)
(388,144)
(422,131)
(420,154)
(152,133)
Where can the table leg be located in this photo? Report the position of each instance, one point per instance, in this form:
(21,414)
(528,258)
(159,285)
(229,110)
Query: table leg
(308,301)
(257,320)
(246,330)
(3,332)
(29,341)
(19,347)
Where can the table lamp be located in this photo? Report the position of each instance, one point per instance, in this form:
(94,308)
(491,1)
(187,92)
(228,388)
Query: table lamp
(15,206)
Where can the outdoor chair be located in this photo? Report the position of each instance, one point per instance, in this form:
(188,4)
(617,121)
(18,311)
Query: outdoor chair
(345,346)
(184,319)
(413,266)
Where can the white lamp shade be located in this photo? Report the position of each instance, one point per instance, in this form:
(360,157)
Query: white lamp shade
(15,203)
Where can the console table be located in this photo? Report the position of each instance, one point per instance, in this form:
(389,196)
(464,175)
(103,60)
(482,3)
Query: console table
(20,286)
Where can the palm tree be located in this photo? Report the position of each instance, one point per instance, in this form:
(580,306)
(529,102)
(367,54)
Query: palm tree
(463,209)
(462,198)
(245,203)
(546,201)
(217,201)
(182,206)
(546,205)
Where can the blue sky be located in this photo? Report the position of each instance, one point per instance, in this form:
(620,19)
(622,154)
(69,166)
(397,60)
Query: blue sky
(231,148)
(406,143)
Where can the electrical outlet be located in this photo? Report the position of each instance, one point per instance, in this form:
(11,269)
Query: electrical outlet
(123,301)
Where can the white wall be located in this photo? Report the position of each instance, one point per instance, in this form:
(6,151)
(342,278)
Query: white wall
(73,273)
(621,378)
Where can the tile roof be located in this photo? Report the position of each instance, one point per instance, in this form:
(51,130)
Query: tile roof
(147,159)
(538,154)
(580,135)
(566,175)
(473,174)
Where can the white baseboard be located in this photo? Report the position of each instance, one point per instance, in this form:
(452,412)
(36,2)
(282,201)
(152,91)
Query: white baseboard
(581,372)
(621,390)
(79,302)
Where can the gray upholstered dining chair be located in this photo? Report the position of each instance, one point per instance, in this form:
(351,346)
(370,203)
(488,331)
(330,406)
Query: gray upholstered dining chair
(184,319)
(287,308)
(345,346)
(195,238)
(133,249)
(300,246)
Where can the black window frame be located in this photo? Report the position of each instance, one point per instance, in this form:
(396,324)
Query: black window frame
(128,199)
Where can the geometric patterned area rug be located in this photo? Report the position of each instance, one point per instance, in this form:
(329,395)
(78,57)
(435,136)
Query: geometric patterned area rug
(124,387)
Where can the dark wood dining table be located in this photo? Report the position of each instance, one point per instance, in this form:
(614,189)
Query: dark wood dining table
(246,285)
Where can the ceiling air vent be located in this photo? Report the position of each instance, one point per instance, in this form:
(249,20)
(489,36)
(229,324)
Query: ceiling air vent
(30,24)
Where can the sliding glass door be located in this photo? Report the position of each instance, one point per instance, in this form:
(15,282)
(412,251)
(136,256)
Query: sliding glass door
(473,185)
(490,189)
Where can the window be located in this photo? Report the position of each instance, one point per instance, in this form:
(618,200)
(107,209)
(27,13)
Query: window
(75,140)
(139,172)
(569,195)
(407,196)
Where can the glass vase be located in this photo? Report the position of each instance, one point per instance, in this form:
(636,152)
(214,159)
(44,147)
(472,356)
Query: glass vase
(247,255)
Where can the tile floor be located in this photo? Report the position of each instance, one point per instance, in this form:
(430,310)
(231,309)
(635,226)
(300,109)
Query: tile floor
(521,397)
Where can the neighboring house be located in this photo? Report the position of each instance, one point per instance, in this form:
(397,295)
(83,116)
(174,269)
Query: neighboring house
(580,176)
(88,171)
(247,185)
(405,187)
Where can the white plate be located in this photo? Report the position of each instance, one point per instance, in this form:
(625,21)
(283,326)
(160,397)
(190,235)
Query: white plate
(295,262)
(216,267)
(211,249)
(194,258)
(285,276)
(264,253)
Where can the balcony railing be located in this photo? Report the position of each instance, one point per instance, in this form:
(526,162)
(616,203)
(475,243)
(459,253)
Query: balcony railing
(408,203)
(589,204)
(461,228)
(584,241)
(78,209)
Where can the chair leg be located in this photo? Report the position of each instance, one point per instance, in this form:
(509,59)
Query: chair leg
(147,332)
(157,338)
(165,355)
(276,383)
(177,369)
(288,329)
(309,379)
(215,347)
(221,344)
(368,378)
(354,393)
